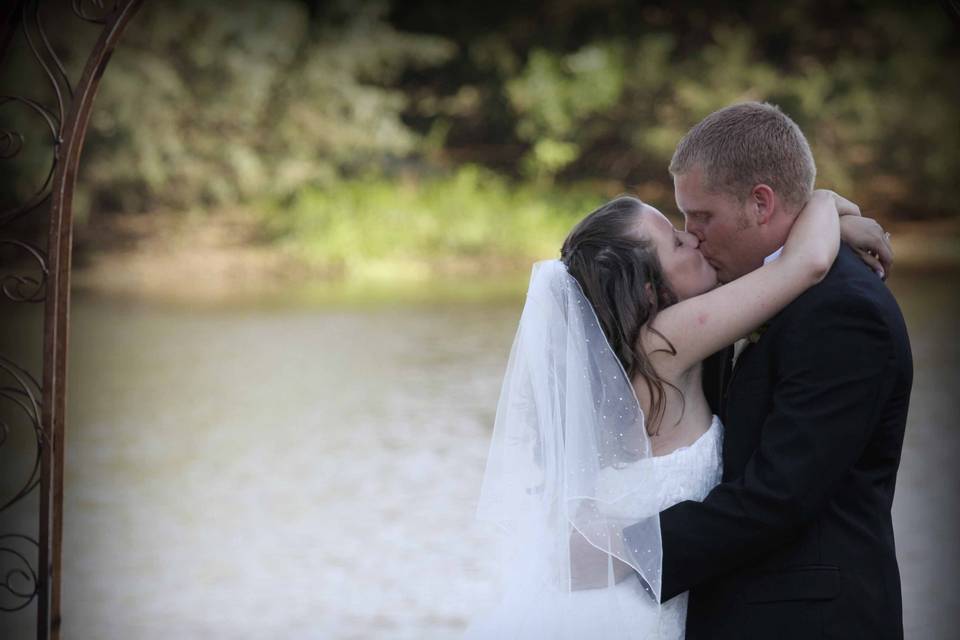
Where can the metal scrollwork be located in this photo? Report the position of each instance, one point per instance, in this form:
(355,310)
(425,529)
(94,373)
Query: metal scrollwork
(25,288)
(19,586)
(11,141)
(102,10)
(10,144)
(32,407)
(20,391)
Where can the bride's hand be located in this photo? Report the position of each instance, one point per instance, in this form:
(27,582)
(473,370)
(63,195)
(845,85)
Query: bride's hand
(868,239)
(864,235)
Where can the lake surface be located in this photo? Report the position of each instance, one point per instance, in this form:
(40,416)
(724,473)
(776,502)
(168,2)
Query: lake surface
(299,470)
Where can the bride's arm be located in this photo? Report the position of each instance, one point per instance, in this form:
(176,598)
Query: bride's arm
(702,325)
(590,568)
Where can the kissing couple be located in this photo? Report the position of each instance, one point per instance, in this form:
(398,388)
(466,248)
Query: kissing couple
(648,485)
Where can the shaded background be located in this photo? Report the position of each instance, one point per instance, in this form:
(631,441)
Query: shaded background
(304,231)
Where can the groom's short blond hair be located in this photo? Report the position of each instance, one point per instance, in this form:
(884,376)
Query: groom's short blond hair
(746,144)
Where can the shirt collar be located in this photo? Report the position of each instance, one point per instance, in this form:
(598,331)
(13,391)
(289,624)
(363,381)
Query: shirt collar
(773,256)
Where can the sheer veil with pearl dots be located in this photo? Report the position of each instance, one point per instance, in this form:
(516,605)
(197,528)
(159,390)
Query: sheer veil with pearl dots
(567,423)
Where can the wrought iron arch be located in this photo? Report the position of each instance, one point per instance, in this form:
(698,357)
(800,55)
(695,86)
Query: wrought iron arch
(35,269)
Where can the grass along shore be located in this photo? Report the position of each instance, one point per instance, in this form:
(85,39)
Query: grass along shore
(370,240)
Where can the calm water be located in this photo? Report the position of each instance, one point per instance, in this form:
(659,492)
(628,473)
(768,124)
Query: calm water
(311,472)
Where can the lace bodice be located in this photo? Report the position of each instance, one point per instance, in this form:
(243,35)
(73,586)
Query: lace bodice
(687,473)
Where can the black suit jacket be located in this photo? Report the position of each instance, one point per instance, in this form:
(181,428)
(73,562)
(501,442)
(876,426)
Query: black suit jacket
(797,541)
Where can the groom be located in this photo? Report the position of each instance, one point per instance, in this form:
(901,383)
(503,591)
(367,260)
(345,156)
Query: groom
(797,541)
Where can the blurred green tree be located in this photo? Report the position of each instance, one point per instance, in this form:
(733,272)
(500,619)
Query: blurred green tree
(214,102)
(209,102)
(604,90)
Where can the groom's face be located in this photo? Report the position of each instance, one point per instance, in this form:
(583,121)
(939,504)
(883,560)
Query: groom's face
(721,223)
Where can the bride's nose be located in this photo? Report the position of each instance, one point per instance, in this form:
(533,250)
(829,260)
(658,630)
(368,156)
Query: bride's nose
(690,239)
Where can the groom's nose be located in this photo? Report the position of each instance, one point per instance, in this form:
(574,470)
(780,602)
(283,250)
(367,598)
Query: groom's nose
(693,228)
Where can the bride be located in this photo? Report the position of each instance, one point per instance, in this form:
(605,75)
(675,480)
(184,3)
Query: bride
(602,420)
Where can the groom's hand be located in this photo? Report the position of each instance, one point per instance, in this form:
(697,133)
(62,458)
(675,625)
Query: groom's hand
(590,567)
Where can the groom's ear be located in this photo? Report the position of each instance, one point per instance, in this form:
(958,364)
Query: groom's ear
(763,200)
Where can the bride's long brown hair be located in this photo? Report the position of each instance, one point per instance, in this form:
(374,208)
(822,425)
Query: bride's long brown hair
(614,266)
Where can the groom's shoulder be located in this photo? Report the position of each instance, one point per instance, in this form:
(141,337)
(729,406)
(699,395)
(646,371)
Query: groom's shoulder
(849,288)
(849,277)
(852,279)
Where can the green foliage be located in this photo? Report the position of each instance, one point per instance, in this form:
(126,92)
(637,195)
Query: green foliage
(556,94)
(212,102)
(387,136)
(883,131)
(370,228)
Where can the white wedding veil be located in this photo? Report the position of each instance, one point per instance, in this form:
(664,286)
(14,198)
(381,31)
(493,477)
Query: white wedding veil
(568,422)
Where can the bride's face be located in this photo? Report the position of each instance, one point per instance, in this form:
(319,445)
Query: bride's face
(686,270)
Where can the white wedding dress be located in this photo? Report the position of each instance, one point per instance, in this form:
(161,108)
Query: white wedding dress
(688,473)
(571,467)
